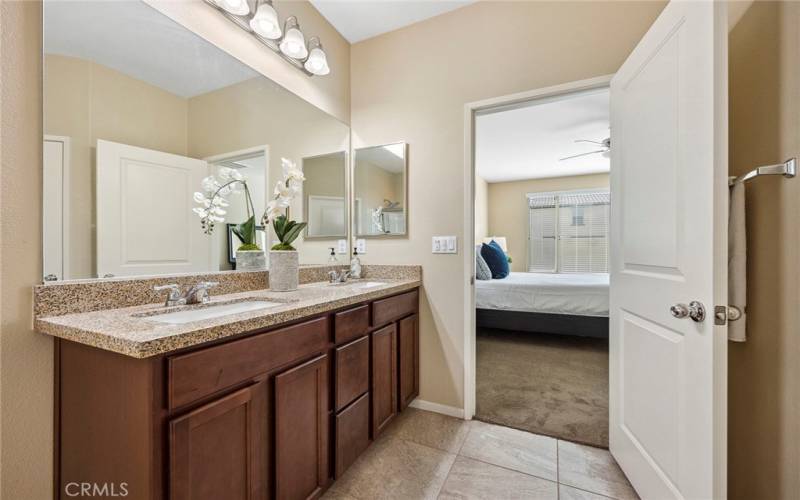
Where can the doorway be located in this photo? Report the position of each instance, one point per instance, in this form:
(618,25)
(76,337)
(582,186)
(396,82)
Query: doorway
(541,184)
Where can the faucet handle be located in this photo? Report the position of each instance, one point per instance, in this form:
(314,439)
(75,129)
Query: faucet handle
(172,287)
(174,293)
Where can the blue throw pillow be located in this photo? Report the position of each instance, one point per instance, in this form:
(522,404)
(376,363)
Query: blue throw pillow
(496,258)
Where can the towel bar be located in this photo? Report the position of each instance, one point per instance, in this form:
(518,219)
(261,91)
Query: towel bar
(787,169)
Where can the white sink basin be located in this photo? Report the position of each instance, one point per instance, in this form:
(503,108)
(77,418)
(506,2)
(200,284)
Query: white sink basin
(367,284)
(210,312)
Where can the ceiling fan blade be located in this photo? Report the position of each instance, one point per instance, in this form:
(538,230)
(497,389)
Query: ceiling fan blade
(582,154)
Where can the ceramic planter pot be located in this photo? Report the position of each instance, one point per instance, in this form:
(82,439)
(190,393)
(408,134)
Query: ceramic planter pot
(251,260)
(284,274)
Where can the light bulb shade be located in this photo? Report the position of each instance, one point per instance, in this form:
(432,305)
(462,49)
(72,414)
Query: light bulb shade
(317,62)
(265,22)
(294,44)
(237,7)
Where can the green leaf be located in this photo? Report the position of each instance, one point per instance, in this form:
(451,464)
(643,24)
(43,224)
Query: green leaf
(278,224)
(292,234)
(246,231)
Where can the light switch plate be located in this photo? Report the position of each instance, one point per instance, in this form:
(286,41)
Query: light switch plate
(444,244)
(341,246)
(361,246)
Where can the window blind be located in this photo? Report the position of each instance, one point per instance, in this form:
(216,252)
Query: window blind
(568,232)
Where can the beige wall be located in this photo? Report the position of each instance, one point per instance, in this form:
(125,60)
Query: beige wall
(330,93)
(84,101)
(257,112)
(508,209)
(481,209)
(412,84)
(26,358)
(764,372)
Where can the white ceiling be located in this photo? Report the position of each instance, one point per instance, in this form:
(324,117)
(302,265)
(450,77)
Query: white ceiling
(527,142)
(133,38)
(388,157)
(358,20)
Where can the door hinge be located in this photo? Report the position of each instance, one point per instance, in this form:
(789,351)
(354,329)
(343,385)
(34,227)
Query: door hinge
(723,314)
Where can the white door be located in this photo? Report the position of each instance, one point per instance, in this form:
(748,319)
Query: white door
(55,210)
(145,223)
(669,235)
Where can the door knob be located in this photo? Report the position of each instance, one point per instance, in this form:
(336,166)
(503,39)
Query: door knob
(694,310)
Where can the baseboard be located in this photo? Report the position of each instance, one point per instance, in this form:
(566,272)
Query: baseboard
(451,411)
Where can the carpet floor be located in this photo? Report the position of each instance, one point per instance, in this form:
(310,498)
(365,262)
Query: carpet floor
(547,384)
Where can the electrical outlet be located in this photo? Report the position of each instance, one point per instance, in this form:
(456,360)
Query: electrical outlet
(341,246)
(361,246)
(444,244)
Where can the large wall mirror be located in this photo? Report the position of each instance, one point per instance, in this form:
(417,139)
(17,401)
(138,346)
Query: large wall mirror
(138,111)
(380,205)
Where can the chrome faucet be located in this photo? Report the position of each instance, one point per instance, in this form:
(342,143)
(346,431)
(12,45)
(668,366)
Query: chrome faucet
(196,294)
(338,277)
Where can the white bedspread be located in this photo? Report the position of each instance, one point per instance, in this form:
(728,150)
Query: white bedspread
(578,294)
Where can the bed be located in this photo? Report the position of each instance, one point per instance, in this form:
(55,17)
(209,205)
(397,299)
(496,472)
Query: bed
(566,304)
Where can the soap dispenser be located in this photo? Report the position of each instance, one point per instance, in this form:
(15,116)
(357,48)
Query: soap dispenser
(332,260)
(355,266)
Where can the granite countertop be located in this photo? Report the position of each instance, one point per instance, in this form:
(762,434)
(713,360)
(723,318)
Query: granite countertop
(132,331)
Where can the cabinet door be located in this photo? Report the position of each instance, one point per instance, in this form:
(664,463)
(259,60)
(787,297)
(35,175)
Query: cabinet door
(408,363)
(219,450)
(301,430)
(384,377)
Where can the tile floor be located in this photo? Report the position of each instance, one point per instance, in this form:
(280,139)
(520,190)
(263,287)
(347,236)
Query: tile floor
(426,455)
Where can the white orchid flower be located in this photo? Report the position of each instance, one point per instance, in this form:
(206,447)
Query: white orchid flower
(200,212)
(199,197)
(290,170)
(282,191)
(218,211)
(209,184)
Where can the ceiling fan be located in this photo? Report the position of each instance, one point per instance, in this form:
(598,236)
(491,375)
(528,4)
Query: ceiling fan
(605,148)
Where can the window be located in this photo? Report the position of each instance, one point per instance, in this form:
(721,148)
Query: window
(568,232)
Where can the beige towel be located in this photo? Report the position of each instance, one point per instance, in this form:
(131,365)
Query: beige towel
(737,262)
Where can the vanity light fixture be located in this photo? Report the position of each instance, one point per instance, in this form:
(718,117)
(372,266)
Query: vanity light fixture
(260,19)
(235,7)
(265,21)
(317,62)
(293,43)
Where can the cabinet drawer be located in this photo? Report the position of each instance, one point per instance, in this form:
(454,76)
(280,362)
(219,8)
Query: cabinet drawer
(200,373)
(352,371)
(352,434)
(386,310)
(350,324)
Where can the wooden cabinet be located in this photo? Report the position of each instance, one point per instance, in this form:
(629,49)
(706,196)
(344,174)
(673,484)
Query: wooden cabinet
(271,414)
(301,430)
(352,434)
(384,378)
(408,360)
(219,450)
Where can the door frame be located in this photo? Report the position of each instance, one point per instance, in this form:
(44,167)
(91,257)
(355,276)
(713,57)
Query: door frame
(65,201)
(472,109)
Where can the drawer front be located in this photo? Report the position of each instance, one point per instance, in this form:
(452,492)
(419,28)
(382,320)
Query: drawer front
(352,371)
(350,324)
(386,310)
(352,434)
(200,373)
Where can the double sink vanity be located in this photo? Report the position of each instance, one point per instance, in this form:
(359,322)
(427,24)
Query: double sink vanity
(251,395)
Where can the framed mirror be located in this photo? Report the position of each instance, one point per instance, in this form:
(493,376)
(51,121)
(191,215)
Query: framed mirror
(380,207)
(325,195)
(138,111)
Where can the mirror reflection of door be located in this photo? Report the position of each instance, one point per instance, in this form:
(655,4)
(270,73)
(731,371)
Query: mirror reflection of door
(324,195)
(253,164)
(380,185)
